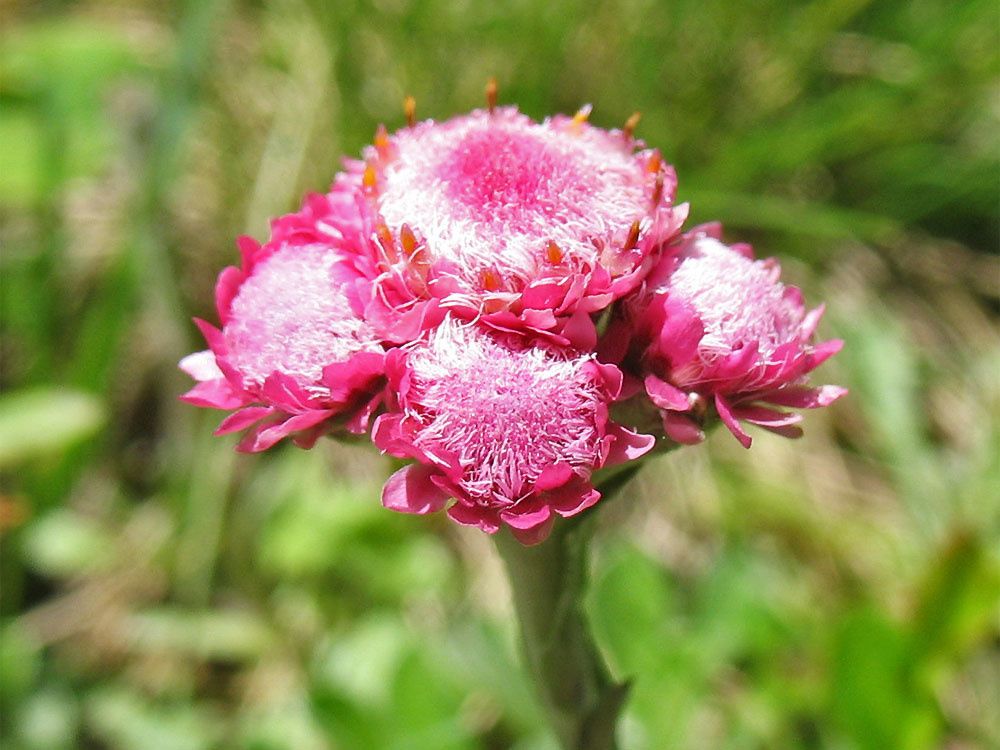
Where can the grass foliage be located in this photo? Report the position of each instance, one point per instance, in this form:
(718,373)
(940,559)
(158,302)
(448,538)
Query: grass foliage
(160,592)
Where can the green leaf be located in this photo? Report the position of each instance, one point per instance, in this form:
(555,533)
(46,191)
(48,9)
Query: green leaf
(124,720)
(630,608)
(44,421)
(20,662)
(64,543)
(869,696)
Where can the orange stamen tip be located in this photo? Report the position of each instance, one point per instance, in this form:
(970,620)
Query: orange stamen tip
(491,306)
(381,138)
(384,235)
(410,110)
(633,235)
(491,282)
(582,114)
(658,189)
(554,253)
(491,94)
(655,162)
(407,239)
(631,123)
(369,179)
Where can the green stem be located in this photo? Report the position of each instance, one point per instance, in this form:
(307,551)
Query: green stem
(548,582)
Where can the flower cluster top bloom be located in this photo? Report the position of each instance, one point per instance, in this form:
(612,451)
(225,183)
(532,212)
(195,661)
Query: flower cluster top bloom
(511,306)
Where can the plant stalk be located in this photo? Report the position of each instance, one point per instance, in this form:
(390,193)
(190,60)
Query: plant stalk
(548,583)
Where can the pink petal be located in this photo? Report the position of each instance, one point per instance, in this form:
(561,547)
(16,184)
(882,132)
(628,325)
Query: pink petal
(242,419)
(228,284)
(249,247)
(611,377)
(528,519)
(540,319)
(802,397)
(665,395)
(593,303)
(761,415)
(572,498)
(213,337)
(386,434)
(281,390)
(269,435)
(553,476)
(214,394)
(410,490)
(201,366)
(824,351)
(681,332)
(711,229)
(469,515)
(542,295)
(788,431)
(682,429)
(730,421)
(580,331)
(346,379)
(359,420)
(627,445)
(811,321)
(535,535)
(613,345)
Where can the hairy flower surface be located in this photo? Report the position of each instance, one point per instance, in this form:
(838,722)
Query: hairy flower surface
(294,355)
(527,226)
(512,431)
(715,325)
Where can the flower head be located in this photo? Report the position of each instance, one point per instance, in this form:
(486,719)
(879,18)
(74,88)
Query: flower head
(512,431)
(293,354)
(454,279)
(715,325)
(527,226)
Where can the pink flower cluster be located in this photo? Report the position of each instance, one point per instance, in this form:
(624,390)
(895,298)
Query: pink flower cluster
(510,306)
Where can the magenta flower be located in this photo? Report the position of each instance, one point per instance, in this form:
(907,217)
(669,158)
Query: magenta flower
(524,226)
(714,327)
(456,276)
(512,431)
(294,356)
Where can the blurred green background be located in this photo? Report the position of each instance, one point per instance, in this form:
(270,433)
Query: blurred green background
(161,592)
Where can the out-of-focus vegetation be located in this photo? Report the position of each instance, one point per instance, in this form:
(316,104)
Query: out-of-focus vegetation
(160,592)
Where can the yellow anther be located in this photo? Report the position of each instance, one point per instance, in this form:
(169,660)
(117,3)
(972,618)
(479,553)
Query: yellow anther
(554,253)
(388,244)
(633,235)
(381,138)
(410,110)
(658,189)
(631,123)
(408,240)
(581,115)
(369,179)
(491,94)
(493,305)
